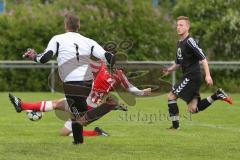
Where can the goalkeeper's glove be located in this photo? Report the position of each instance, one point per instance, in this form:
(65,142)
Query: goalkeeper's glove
(31,54)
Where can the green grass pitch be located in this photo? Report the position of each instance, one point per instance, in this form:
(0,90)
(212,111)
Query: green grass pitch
(138,134)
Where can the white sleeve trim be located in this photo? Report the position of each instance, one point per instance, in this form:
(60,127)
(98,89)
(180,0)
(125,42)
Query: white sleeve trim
(38,58)
(194,45)
(135,90)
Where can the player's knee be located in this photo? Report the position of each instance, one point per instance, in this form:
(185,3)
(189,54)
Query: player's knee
(192,108)
(60,104)
(171,96)
(55,104)
(64,132)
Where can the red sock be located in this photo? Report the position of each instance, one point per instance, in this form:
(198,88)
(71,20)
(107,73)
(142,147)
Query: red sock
(43,106)
(89,107)
(90,133)
(32,106)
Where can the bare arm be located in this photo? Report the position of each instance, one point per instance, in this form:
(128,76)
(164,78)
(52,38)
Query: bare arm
(130,87)
(134,90)
(208,77)
(167,71)
(50,51)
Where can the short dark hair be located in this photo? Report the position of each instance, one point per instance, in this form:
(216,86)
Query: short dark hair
(72,22)
(184,18)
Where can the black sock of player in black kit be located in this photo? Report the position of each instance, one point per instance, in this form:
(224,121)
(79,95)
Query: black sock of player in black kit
(214,97)
(174,113)
(203,104)
(77,131)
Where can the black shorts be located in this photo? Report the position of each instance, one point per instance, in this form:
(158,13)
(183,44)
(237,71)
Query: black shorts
(187,88)
(76,93)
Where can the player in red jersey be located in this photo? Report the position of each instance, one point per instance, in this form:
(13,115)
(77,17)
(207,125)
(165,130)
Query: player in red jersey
(104,82)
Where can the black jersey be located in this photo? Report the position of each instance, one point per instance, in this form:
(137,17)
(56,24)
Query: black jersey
(188,56)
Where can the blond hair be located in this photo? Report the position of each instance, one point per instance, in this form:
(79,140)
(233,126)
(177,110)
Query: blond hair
(184,18)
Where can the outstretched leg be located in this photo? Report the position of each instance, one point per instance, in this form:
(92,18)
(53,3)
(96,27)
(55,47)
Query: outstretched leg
(43,106)
(197,105)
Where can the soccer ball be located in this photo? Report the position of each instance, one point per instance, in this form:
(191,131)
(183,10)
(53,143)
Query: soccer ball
(34,115)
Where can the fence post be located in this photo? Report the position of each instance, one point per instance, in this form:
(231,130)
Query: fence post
(173,77)
(52,77)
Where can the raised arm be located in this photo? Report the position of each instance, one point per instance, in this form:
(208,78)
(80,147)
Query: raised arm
(98,52)
(130,87)
(134,90)
(46,56)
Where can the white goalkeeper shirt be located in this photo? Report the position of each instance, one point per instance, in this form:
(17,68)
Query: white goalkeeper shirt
(73,53)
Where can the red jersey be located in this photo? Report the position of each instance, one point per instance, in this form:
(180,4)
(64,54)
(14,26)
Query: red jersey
(104,82)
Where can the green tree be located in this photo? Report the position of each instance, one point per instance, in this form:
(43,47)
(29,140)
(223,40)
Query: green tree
(31,24)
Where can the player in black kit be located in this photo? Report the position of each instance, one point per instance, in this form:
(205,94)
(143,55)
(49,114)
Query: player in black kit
(188,57)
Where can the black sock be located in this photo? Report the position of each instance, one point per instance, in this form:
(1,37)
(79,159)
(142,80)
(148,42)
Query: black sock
(173,113)
(203,104)
(214,97)
(77,131)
